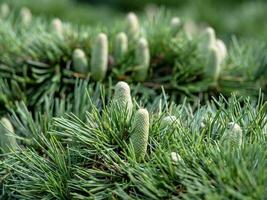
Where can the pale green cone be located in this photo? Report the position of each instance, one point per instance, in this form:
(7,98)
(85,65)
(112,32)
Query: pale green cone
(26,16)
(222,49)
(99,60)
(7,142)
(5,10)
(121,46)
(132,26)
(233,135)
(142,56)
(176,158)
(175,25)
(122,98)
(139,135)
(168,121)
(190,29)
(208,39)
(80,63)
(213,66)
(57,26)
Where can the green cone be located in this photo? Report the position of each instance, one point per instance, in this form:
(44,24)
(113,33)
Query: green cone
(142,57)
(122,98)
(26,16)
(207,40)
(99,60)
(175,25)
(121,46)
(139,136)
(132,26)
(233,135)
(7,142)
(168,121)
(222,49)
(213,66)
(80,63)
(57,26)
(5,10)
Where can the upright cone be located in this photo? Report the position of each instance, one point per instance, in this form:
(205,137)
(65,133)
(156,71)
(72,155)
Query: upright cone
(7,142)
(122,99)
(57,26)
(26,16)
(207,39)
(142,56)
(121,46)
(5,10)
(80,63)
(213,67)
(99,60)
(222,48)
(140,132)
(132,26)
(175,25)
(234,135)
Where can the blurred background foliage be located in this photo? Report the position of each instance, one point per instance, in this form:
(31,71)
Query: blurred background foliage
(241,18)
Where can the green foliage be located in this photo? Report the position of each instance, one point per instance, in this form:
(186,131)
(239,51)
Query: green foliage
(70,132)
(88,154)
(40,61)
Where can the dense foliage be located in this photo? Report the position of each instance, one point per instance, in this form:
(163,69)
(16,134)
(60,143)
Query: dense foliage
(189,123)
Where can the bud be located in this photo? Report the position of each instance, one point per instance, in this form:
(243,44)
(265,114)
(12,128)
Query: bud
(122,98)
(175,25)
(222,49)
(99,60)
(80,63)
(121,46)
(139,136)
(132,26)
(176,158)
(7,141)
(213,67)
(208,39)
(142,57)
(26,16)
(167,121)
(234,134)
(190,29)
(5,10)
(57,25)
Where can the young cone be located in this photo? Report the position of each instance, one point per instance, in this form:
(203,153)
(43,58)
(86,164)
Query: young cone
(142,57)
(5,10)
(234,134)
(222,48)
(99,60)
(139,137)
(80,63)
(121,46)
(167,121)
(26,16)
(57,26)
(176,158)
(7,142)
(175,25)
(190,29)
(122,99)
(213,67)
(208,39)
(132,26)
